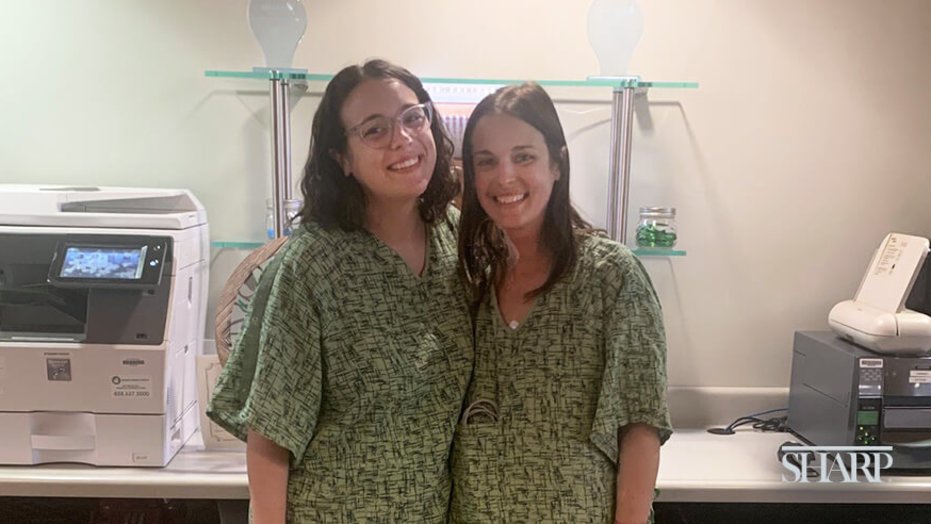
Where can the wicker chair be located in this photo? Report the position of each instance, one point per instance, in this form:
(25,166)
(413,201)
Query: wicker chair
(237,292)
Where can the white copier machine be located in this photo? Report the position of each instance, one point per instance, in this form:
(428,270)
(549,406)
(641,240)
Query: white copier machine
(102,306)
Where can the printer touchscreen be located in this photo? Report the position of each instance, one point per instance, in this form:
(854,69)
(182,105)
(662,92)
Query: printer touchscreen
(103,263)
(109,261)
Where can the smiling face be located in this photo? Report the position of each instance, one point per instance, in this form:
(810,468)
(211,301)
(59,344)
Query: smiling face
(514,175)
(401,170)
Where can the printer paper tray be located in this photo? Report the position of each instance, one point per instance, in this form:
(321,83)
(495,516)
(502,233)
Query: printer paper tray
(97,439)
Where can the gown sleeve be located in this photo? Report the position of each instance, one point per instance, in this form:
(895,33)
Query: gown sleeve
(272,382)
(633,388)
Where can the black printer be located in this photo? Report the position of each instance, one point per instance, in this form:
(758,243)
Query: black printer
(844,395)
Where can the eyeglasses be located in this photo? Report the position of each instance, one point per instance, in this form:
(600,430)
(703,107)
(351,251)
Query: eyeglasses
(378,131)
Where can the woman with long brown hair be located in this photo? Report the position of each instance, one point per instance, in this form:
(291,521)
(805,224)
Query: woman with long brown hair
(566,410)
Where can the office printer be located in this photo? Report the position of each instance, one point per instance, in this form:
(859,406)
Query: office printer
(102,308)
(845,395)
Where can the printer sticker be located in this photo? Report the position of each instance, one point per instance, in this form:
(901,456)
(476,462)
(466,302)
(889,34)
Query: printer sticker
(890,255)
(131,386)
(919,376)
(871,362)
(58,369)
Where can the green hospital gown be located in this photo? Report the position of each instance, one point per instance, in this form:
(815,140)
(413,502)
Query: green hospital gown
(589,358)
(358,367)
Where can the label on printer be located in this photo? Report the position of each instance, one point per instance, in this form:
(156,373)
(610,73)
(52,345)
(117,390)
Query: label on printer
(58,369)
(131,386)
(919,376)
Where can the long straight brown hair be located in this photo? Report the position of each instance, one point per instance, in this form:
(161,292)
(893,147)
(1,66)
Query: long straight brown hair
(483,254)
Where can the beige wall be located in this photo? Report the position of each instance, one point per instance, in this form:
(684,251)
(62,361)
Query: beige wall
(807,141)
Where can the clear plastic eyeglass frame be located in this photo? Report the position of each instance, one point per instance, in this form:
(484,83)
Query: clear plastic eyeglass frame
(377,132)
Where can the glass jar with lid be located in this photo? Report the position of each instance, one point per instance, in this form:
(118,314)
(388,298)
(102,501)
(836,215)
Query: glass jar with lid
(657,227)
(292,208)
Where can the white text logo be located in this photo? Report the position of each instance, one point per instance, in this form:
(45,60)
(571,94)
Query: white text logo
(835,463)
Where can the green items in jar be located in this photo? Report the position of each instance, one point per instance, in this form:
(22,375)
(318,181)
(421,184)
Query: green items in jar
(657,227)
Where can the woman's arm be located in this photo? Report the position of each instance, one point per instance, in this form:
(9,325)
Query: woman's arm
(638,462)
(267,464)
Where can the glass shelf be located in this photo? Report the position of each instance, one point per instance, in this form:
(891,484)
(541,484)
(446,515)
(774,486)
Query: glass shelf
(657,252)
(270,75)
(236,244)
(624,89)
(624,81)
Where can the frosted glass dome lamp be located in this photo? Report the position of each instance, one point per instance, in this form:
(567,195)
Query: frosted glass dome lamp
(614,30)
(278,26)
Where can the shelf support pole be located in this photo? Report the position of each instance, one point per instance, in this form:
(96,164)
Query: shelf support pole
(622,113)
(281,150)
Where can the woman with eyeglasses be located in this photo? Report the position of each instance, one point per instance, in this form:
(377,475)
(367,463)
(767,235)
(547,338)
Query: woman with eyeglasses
(566,410)
(364,345)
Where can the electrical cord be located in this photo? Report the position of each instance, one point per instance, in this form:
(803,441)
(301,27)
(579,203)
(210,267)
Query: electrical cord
(777,424)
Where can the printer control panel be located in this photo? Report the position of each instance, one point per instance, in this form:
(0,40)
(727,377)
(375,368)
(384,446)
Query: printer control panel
(870,377)
(869,401)
(110,261)
(868,414)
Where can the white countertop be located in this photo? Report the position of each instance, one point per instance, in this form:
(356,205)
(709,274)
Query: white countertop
(695,467)
(193,474)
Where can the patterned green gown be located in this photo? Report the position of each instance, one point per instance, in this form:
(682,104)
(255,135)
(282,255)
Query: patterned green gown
(589,358)
(361,373)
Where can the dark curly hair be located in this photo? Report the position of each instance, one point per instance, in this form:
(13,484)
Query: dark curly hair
(332,199)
